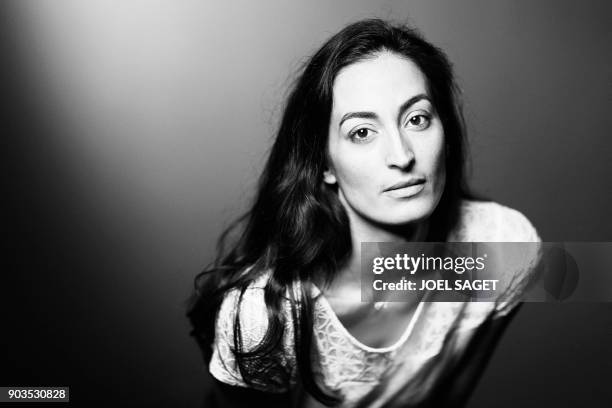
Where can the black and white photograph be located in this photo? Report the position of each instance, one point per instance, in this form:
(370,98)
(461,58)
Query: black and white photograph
(307,204)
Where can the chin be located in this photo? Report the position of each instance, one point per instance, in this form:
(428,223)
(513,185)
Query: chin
(408,212)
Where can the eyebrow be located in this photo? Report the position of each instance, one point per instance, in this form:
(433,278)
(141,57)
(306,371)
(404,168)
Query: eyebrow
(372,115)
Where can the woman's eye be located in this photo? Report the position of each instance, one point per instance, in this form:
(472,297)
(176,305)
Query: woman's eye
(361,135)
(419,121)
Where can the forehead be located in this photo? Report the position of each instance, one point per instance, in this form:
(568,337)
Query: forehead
(385,80)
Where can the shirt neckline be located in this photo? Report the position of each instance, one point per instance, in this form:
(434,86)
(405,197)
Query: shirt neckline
(388,349)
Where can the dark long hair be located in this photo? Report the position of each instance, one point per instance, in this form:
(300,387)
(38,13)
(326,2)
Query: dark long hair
(296,228)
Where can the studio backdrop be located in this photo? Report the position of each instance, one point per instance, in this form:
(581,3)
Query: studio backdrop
(135,131)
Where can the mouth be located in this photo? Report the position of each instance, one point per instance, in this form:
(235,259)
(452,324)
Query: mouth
(405,189)
(405,184)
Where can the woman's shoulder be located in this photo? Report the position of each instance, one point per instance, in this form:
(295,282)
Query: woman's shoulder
(248,308)
(488,221)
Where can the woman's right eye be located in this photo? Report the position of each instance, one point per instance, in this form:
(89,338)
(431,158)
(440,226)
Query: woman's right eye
(360,135)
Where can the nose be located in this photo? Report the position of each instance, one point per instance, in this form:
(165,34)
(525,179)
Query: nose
(399,153)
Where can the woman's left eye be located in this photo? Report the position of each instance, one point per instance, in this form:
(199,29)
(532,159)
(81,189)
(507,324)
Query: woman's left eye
(420,121)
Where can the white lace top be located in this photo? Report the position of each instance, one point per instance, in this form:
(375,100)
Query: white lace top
(345,364)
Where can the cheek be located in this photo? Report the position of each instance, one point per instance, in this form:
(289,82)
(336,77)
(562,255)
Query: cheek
(439,164)
(356,174)
(439,170)
(433,157)
(431,160)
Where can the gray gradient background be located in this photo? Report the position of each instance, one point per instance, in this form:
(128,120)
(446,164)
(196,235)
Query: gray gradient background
(136,130)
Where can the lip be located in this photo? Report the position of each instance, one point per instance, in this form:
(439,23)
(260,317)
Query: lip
(405,189)
(403,184)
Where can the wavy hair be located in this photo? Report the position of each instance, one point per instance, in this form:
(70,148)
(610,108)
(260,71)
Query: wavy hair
(296,228)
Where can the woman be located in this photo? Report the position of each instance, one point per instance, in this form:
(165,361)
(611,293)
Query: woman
(370,149)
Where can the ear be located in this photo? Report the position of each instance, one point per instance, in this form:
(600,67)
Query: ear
(329,177)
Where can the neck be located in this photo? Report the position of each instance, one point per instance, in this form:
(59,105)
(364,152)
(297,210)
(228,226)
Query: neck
(364,231)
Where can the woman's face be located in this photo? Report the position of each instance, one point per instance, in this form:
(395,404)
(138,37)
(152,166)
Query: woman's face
(386,142)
